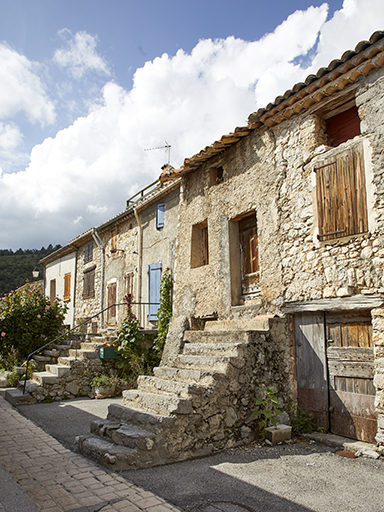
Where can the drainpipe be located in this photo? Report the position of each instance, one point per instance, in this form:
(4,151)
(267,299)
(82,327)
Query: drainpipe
(101,246)
(74,291)
(140,263)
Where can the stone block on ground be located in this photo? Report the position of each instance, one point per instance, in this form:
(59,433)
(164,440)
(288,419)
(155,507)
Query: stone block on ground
(279,433)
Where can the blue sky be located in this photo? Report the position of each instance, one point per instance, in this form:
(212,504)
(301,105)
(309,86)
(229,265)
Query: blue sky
(86,86)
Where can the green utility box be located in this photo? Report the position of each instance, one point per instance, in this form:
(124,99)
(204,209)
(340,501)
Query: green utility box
(107,353)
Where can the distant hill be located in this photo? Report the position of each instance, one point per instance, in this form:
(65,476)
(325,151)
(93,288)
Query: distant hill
(16,267)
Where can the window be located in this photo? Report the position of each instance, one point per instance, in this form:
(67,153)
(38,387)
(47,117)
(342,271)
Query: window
(112,295)
(215,176)
(154,277)
(67,286)
(160,208)
(88,253)
(343,127)
(89,283)
(341,195)
(248,245)
(128,283)
(114,240)
(52,290)
(199,245)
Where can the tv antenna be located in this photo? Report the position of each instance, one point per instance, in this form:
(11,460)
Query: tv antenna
(167,146)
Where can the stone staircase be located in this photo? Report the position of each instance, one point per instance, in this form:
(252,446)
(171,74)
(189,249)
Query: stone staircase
(199,403)
(62,365)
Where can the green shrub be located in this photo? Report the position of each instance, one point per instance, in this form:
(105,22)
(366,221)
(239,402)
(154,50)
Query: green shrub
(267,410)
(27,321)
(164,314)
(301,421)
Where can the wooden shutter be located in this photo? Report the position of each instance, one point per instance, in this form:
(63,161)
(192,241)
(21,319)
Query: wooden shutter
(88,253)
(67,286)
(52,290)
(160,215)
(154,277)
(341,195)
(128,283)
(89,284)
(112,288)
(343,127)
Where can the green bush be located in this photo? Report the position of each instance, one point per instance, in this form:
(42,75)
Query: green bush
(27,321)
(301,421)
(268,408)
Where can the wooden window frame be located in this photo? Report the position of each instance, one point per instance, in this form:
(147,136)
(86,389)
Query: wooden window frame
(88,253)
(341,195)
(200,245)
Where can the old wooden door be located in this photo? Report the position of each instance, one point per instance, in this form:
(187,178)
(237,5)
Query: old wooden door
(335,372)
(111,312)
(249,254)
(351,365)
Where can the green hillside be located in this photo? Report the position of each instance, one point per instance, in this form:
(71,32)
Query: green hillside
(16,267)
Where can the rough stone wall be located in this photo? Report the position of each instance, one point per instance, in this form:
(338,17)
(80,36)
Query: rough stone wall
(87,307)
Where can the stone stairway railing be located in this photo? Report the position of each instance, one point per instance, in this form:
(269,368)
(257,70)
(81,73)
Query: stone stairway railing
(198,404)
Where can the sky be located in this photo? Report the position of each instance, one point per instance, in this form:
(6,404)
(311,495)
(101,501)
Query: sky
(86,86)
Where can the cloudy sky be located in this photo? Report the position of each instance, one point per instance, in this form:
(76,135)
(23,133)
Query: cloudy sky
(87,85)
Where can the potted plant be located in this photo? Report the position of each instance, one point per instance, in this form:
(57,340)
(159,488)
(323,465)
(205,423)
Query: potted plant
(103,386)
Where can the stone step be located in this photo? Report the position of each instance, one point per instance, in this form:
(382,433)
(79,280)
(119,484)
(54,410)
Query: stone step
(168,387)
(113,456)
(130,436)
(188,375)
(260,323)
(51,353)
(15,397)
(66,360)
(122,414)
(157,403)
(91,347)
(215,336)
(44,378)
(42,359)
(83,354)
(219,364)
(215,349)
(57,369)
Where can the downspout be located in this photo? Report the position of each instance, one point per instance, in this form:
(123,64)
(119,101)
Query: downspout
(139,248)
(74,291)
(101,246)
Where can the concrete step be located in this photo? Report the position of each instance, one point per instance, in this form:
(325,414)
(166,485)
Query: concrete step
(130,436)
(216,349)
(57,369)
(188,375)
(157,403)
(168,387)
(219,364)
(83,354)
(44,378)
(215,336)
(260,323)
(15,397)
(122,414)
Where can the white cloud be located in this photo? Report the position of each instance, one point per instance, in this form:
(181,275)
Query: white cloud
(10,136)
(84,175)
(21,89)
(80,55)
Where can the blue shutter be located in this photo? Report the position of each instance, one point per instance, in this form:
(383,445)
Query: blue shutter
(154,276)
(160,215)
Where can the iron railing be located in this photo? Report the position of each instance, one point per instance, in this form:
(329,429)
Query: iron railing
(141,305)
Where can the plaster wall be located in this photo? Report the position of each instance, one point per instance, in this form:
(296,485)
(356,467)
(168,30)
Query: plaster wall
(57,270)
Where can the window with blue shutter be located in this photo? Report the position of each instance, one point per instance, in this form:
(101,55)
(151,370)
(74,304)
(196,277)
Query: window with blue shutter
(160,215)
(154,276)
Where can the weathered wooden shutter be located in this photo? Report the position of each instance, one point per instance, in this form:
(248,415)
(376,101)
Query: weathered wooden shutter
(129,283)
(341,195)
(343,127)
(112,288)
(67,286)
(52,290)
(154,277)
(160,215)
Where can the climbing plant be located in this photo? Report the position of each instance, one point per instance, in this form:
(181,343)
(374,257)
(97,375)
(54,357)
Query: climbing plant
(164,313)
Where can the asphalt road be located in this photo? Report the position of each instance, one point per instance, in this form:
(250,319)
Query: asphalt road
(297,477)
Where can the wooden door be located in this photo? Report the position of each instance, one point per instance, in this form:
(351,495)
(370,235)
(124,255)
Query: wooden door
(312,385)
(351,366)
(249,254)
(111,312)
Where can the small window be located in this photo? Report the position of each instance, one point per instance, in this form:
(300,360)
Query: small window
(114,240)
(52,290)
(160,208)
(128,284)
(88,253)
(341,195)
(67,286)
(343,127)
(215,176)
(199,245)
(89,284)
(154,279)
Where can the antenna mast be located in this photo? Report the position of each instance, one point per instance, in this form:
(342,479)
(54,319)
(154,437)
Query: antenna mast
(167,146)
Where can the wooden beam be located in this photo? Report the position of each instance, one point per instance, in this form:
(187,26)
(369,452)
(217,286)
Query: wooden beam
(336,304)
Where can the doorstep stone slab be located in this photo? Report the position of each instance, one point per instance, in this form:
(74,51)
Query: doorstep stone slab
(15,397)
(279,433)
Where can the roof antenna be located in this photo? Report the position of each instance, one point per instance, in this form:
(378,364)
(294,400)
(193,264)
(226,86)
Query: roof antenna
(167,146)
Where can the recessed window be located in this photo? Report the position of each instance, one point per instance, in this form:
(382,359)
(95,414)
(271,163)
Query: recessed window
(88,253)
(52,290)
(341,195)
(128,284)
(343,127)
(199,245)
(89,283)
(215,176)
(160,209)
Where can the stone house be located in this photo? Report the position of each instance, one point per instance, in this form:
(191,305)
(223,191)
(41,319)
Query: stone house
(282,222)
